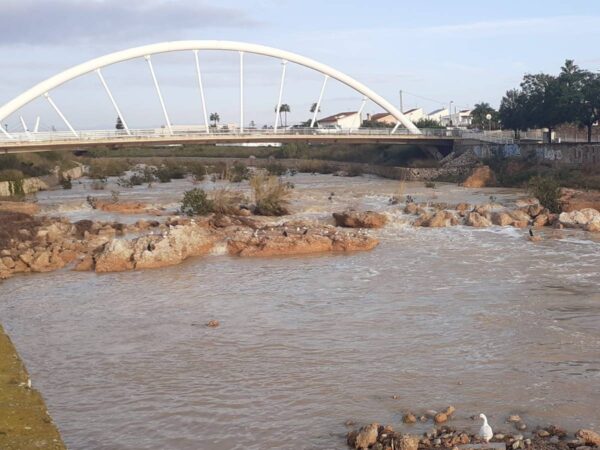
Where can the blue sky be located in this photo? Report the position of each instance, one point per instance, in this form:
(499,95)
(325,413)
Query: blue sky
(464,51)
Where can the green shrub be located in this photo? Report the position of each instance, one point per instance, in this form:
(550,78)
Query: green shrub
(430,184)
(271,195)
(196,203)
(276,168)
(547,191)
(197,170)
(238,172)
(354,171)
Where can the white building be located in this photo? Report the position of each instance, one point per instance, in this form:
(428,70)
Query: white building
(461,118)
(438,114)
(415,114)
(344,120)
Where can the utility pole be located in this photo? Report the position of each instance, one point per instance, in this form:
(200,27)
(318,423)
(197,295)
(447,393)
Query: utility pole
(401,106)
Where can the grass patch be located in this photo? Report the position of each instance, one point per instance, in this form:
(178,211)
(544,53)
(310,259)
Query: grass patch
(271,195)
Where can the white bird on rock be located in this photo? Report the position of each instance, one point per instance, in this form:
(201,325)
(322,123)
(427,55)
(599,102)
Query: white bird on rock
(485,432)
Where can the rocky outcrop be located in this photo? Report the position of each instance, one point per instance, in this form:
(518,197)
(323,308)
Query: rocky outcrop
(579,219)
(282,240)
(502,218)
(153,251)
(574,200)
(480,177)
(356,219)
(124,207)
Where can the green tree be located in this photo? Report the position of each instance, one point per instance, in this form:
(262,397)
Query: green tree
(512,113)
(544,100)
(426,122)
(215,118)
(479,115)
(589,113)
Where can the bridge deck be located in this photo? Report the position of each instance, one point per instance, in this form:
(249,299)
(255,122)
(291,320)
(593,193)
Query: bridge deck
(133,141)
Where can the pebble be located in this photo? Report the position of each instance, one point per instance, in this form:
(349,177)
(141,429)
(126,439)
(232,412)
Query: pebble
(518,437)
(431,413)
(409,418)
(543,433)
(499,437)
(517,444)
(437,442)
(520,426)
(514,418)
(213,323)
(527,442)
(440,418)
(423,418)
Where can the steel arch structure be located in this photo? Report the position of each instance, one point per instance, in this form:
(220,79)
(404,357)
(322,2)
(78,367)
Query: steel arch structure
(43,88)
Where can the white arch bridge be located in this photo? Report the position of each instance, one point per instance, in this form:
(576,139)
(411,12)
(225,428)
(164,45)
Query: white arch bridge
(32,139)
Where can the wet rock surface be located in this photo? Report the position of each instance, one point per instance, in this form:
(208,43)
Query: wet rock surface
(442,436)
(360,219)
(30,244)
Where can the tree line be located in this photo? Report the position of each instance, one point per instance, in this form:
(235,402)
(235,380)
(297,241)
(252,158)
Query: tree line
(547,101)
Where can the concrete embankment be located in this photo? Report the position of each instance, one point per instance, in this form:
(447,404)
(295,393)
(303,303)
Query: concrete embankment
(24,419)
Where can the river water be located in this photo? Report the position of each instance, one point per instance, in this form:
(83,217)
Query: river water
(480,319)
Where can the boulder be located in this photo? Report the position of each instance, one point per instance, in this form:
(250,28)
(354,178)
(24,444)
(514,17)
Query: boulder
(440,418)
(578,219)
(409,418)
(116,256)
(502,219)
(367,436)
(355,219)
(463,207)
(593,227)
(520,223)
(541,220)
(480,177)
(439,220)
(475,219)
(535,210)
(520,216)
(589,437)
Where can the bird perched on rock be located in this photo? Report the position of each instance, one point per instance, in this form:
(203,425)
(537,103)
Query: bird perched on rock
(485,432)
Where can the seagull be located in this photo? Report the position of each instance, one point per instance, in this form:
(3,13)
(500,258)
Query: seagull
(485,432)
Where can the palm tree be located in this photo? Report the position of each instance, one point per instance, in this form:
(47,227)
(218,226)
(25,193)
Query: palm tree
(214,118)
(314,107)
(283,108)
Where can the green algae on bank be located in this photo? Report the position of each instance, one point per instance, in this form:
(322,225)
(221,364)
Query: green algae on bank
(24,419)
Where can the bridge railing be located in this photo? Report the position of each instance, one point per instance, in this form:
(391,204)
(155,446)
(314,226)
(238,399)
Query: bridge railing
(154,133)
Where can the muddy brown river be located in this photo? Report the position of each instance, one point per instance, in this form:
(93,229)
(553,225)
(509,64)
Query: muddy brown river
(478,318)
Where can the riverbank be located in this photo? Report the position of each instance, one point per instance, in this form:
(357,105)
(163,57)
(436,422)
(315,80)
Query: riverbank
(512,434)
(24,419)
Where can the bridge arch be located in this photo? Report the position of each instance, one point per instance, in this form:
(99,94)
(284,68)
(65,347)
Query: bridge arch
(145,51)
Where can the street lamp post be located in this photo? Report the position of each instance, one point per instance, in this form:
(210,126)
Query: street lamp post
(488,116)
(450,112)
